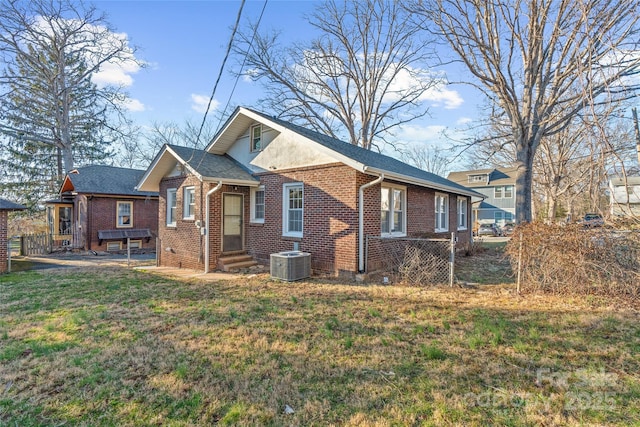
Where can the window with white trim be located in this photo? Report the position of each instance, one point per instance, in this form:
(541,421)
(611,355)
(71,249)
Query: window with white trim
(257,204)
(171,207)
(125,214)
(497,217)
(508,216)
(292,209)
(462,213)
(256,138)
(503,192)
(442,212)
(189,203)
(392,210)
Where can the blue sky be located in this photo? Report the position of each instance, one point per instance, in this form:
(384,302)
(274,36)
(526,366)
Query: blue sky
(184,42)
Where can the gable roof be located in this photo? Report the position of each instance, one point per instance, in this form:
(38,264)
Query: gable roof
(6,205)
(497,176)
(359,158)
(99,179)
(204,165)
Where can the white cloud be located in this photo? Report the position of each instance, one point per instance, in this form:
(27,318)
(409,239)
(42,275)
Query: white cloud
(199,103)
(419,134)
(463,121)
(441,96)
(134,105)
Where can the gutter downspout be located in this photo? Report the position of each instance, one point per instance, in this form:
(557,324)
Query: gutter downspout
(206,237)
(361,220)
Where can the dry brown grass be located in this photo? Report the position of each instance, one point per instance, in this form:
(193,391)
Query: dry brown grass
(121,347)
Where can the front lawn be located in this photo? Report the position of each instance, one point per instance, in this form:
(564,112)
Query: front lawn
(121,347)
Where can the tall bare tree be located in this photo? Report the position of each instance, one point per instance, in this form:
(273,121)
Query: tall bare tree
(364,75)
(52,111)
(529,56)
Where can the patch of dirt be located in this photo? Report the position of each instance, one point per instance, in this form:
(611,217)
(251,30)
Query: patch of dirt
(489,266)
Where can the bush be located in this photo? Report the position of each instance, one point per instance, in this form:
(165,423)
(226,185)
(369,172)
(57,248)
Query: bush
(576,261)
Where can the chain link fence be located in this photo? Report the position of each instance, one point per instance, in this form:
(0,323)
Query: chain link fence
(413,261)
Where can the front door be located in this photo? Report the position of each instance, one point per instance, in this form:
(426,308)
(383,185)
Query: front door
(232,222)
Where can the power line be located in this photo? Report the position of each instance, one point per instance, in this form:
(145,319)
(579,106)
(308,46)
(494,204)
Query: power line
(253,36)
(215,87)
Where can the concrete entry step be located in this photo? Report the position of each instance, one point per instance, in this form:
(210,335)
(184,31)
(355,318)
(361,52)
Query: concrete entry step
(236,262)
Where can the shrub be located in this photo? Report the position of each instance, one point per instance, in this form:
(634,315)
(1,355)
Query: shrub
(575,260)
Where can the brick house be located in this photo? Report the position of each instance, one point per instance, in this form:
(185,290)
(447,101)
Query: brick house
(5,207)
(100,209)
(264,185)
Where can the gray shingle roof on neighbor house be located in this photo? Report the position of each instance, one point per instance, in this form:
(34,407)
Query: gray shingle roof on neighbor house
(100,179)
(212,165)
(6,205)
(368,157)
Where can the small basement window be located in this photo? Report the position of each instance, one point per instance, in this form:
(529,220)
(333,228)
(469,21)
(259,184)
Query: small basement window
(135,244)
(114,246)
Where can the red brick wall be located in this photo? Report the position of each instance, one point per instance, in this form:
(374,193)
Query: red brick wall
(330,225)
(101,214)
(3,241)
(330,228)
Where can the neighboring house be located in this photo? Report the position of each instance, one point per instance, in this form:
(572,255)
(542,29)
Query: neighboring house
(99,209)
(624,199)
(498,186)
(264,185)
(5,207)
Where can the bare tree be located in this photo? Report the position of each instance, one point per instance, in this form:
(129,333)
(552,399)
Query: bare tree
(427,158)
(51,105)
(364,75)
(529,57)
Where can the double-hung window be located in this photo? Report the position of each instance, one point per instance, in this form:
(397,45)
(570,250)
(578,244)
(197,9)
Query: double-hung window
(462,213)
(171,207)
(256,138)
(125,214)
(292,209)
(257,204)
(442,212)
(392,211)
(189,203)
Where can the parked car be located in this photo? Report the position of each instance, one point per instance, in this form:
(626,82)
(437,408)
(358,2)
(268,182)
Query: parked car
(507,229)
(592,220)
(489,230)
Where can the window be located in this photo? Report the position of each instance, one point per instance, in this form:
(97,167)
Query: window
(257,204)
(256,138)
(135,244)
(508,217)
(503,192)
(508,191)
(189,202)
(497,217)
(462,213)
(392,210)
(442,213)
(477,178)
(114,246)
(125,212)
(292,210)
(171,207)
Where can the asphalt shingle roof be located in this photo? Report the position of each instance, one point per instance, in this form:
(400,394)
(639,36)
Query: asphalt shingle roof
(107,180)
(6,205)
(367,157)
(213,165)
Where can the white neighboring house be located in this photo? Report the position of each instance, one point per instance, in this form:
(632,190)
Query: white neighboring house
(624,199)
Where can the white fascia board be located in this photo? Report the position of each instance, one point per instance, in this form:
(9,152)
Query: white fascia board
(420,182)
(166,155)
(232,181)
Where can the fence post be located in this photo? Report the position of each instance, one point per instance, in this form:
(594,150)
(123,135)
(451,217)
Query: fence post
(452,257)
(519,264)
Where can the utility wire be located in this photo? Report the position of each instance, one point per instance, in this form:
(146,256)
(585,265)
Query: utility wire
(215,87)
(253,36)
